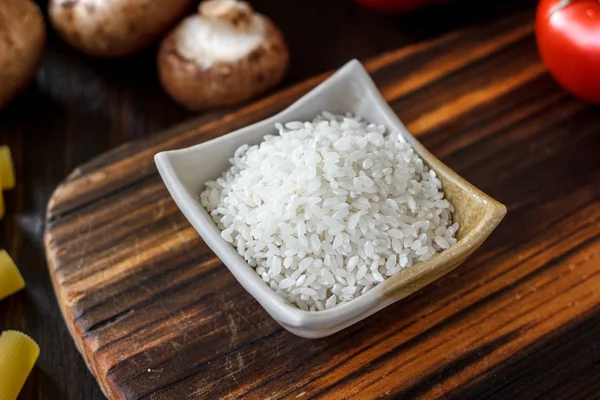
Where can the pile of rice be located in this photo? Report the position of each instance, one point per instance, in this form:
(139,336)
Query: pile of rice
(328,209)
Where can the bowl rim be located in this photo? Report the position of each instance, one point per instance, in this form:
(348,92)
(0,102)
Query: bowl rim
(379,296)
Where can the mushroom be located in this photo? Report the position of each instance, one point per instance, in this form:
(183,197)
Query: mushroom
(22,40)
(114,28)
(224,55)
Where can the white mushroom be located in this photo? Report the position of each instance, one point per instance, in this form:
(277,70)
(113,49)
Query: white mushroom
(114,28)
(225,54)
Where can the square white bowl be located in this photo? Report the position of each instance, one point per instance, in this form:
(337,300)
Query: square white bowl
(350,89)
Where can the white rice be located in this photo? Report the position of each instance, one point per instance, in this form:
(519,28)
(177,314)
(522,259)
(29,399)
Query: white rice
(328,209)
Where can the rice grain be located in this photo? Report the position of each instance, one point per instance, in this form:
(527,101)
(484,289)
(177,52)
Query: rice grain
(327,209)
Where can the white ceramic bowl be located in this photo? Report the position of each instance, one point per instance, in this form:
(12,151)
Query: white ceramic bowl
(349,90)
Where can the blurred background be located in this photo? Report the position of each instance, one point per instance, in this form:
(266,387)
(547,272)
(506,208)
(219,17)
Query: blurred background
(79,107)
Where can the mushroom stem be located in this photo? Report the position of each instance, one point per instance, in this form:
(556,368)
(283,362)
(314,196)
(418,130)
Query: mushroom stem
(237,13)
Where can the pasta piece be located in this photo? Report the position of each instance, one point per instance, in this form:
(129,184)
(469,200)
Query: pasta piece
(7,169)
(18,354)
(11,280)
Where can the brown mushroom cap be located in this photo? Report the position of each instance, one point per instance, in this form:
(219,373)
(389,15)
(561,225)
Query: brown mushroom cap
(114,28)
(22,40)
(223,83)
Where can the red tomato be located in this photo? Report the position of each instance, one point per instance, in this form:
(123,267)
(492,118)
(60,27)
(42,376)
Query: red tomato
(568,38)
(395,6)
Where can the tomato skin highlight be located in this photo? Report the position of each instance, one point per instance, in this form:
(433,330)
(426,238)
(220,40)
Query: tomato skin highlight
(396,6)
(568,39)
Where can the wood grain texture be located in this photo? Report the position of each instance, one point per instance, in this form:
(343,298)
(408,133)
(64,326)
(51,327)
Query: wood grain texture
(156,316)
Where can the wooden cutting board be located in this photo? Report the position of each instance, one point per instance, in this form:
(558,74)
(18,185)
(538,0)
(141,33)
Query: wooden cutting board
(157,316)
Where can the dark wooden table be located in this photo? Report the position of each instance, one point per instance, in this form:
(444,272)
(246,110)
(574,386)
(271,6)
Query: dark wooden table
(80,107)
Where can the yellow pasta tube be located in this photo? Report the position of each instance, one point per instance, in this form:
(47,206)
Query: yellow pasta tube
(7,169)
(11,280)
(18,354)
